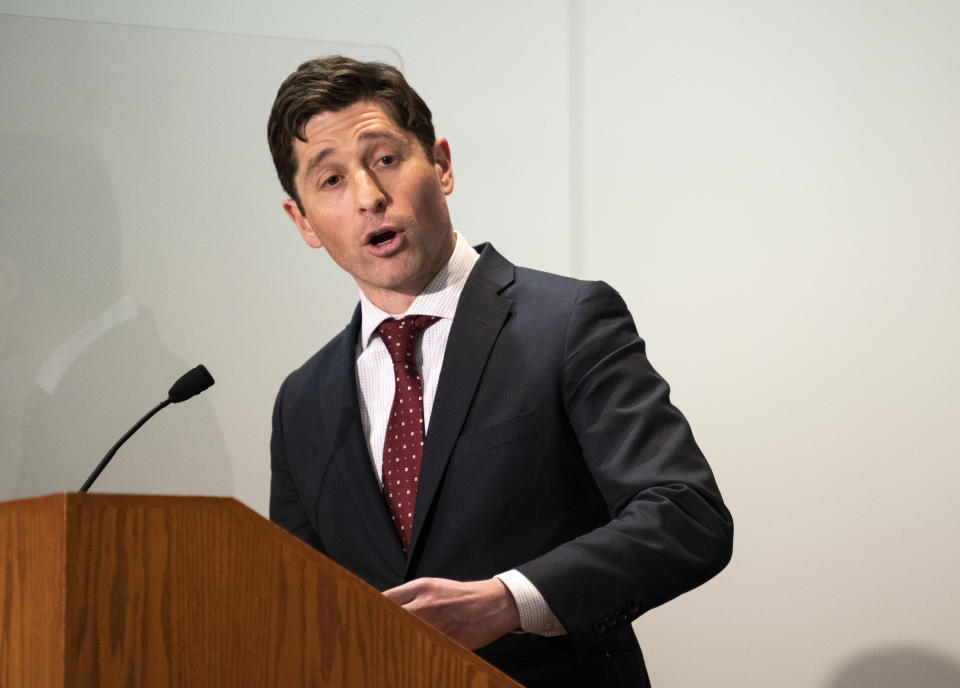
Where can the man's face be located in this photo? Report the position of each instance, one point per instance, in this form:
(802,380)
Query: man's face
(374,201)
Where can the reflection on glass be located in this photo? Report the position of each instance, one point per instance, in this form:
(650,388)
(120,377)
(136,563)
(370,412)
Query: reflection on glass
(79,360)
(138,201)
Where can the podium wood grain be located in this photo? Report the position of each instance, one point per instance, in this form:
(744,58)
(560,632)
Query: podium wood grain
(125,590)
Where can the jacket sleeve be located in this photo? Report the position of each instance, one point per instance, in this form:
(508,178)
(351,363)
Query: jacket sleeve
(286,507)
(669,530)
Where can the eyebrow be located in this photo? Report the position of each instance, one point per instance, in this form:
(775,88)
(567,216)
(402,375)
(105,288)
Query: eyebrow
(317,159)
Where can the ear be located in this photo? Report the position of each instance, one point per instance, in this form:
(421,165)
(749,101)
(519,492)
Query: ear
(443,165)
(302,223)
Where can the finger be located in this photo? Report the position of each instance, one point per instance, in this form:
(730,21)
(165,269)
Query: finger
(402,594)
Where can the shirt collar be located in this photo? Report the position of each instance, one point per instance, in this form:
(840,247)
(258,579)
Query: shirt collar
(439,297)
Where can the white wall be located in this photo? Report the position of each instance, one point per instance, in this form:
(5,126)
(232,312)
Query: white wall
(772,186)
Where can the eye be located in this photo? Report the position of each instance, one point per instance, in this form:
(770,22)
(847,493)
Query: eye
(332,180)
(388,159)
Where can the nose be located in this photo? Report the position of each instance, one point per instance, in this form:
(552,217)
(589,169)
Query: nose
(370,196)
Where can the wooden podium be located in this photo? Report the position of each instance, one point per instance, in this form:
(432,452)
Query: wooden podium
(127,590)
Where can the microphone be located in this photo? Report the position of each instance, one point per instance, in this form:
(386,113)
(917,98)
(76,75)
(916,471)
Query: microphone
(189,385)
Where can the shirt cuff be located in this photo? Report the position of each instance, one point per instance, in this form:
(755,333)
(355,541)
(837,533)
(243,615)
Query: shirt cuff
(535,614)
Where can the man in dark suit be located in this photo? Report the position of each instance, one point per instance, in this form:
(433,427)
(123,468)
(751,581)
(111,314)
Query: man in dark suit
(545,492)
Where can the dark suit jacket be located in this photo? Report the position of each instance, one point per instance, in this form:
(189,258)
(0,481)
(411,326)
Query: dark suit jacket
(552,448)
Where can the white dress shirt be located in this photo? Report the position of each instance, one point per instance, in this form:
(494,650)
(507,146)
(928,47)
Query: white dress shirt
(376,387)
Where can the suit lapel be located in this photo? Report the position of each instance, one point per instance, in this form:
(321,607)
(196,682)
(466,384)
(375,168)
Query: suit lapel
(481,314)
(352,458)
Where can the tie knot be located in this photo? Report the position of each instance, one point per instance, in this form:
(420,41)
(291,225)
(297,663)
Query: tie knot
(400,336)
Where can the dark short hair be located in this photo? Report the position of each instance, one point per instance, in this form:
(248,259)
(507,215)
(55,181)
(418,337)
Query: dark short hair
(328,84)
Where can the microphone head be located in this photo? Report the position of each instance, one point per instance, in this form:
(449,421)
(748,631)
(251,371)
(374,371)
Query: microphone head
(190,384)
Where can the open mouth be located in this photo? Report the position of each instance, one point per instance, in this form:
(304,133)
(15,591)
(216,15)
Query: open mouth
(378,239)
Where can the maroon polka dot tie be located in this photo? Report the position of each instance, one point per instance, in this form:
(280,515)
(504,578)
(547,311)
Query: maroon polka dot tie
(403,444)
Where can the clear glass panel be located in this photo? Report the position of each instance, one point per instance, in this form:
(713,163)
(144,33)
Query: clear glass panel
(141,235)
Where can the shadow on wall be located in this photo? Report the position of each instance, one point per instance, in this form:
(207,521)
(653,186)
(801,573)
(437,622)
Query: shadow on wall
(80,362)
(898,667)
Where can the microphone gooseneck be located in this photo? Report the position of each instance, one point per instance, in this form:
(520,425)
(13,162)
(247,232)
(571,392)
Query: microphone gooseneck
(189,385)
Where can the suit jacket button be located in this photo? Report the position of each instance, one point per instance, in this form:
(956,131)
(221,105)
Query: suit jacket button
(599,628)
(610,622)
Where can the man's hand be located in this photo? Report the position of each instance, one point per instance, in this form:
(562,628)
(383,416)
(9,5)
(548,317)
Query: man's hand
(474,614)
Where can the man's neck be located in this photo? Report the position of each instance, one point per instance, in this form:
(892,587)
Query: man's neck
(392,302)
(438,298)
(398,301)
